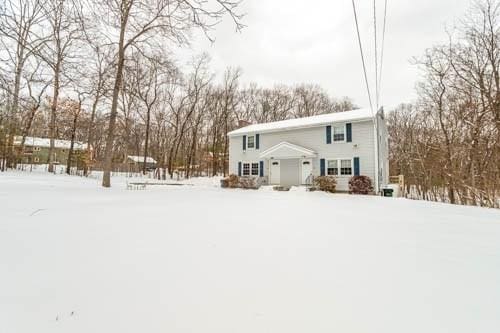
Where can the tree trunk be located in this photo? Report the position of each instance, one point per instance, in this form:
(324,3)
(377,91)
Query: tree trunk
(14,108)
(53,110)
(108,162)
(148,118)
(90,135)
(73,133)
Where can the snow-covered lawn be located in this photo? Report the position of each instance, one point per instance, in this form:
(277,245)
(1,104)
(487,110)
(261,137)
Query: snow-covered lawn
(75,257)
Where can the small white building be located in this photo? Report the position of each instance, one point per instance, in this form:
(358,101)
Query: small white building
(137,162)
(292,152)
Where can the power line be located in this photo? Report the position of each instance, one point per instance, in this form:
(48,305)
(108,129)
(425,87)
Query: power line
(382,50)
(362,57)
(376,52)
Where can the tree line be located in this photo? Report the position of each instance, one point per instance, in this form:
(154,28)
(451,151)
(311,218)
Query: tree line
(69,72)
(447,143)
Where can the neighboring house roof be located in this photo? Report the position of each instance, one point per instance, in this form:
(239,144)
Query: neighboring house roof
(287,150)
(314,121)
(140,159)
(45,143)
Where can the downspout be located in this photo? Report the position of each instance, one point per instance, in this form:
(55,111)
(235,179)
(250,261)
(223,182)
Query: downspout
(377,157)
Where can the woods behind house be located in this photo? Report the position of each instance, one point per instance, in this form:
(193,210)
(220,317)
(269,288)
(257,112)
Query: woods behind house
(447,143)
(67,71)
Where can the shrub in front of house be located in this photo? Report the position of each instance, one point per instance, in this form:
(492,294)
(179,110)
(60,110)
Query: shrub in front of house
(326,183)
(224,183)
(248,183)
(232,181)
(360,185)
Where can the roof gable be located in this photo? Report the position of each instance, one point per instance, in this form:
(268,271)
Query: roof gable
(287,150)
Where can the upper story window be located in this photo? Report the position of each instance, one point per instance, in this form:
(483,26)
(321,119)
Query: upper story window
(251,142)
(338,133)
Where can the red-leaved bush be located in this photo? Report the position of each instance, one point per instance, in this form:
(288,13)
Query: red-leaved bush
(360,185)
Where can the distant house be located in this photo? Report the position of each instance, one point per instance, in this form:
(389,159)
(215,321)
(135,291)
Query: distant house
(136,163)
(36,150)
(293,152)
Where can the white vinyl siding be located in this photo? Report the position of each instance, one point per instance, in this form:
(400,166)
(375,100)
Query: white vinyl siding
(362,146)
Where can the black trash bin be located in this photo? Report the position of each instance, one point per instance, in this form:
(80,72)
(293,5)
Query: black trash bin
(387,192)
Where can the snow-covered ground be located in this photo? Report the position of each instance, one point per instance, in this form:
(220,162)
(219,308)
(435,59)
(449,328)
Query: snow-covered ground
(75,257)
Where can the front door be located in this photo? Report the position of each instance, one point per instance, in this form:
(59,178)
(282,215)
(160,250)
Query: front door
(275,172)
(306,166)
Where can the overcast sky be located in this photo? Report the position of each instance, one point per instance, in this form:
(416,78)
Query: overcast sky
(314,41)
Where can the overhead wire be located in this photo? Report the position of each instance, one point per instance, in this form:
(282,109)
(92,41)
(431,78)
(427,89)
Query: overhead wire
(379,79)
(376,52)
(362,56)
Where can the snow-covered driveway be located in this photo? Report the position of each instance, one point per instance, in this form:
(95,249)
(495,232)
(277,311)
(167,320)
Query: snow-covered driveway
(78,258)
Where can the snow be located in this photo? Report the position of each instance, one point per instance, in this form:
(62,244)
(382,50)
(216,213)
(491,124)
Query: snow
(140,159)
(80,258)
(45,143)
(314,121)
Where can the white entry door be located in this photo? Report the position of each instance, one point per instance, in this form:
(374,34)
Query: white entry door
(306,167)
(275,172)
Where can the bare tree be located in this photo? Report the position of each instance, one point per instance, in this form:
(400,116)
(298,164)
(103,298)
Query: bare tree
(146,22)
(34,79)
(65,31)
(150,74)
(19,22)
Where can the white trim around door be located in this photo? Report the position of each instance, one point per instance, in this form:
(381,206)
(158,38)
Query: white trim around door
(305,170)
(274,172)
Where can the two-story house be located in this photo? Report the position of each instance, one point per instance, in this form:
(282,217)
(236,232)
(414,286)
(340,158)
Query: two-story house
(292,152)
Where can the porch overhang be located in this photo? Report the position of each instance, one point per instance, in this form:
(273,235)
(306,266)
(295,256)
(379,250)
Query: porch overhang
(287,150)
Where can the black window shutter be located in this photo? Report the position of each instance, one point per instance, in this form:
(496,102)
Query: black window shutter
(239,169)
(261,167)
(244,142)
(348,129)
(257,141)
(328,134)
(356,166)
(322,166)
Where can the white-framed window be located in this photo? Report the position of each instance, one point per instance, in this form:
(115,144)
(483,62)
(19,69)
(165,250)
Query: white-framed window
(255,169)
(339,167)
(332,168)
(250,169)
(346,167)
(246,169)
(338,133)
(251,142)
(36,159)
